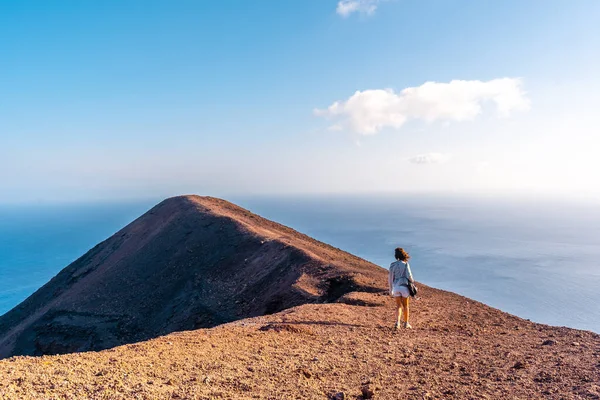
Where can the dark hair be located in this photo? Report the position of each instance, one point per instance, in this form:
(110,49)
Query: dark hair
(401,254)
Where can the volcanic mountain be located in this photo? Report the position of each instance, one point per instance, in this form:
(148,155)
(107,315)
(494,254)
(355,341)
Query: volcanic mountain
(196,262)
(189,262)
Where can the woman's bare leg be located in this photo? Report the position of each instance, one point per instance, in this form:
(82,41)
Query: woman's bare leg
(405,306)
(398,310)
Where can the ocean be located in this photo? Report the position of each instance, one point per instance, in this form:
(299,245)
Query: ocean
(537,260)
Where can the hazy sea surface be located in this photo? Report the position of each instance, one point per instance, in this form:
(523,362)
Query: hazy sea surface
(538,260)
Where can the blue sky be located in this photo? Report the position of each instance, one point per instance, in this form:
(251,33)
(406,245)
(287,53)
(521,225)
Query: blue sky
(127,99)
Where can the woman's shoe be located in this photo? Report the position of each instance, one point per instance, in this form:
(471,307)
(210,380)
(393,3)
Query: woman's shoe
(397,326)
(407,325)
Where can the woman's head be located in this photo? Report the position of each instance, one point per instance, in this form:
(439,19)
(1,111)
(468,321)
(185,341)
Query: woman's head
(401,254)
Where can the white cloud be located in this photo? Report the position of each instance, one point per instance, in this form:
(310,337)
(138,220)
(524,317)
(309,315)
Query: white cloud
(368,112)
(429,158)
(347,7)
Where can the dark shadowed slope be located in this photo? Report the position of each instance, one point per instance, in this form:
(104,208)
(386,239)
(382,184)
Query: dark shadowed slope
(189,262)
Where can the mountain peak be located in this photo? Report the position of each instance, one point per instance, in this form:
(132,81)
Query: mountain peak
(187,263)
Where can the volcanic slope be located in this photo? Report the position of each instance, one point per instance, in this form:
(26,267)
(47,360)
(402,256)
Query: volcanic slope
(189,262)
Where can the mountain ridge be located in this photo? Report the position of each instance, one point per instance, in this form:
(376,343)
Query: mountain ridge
(188,262)
(312,322)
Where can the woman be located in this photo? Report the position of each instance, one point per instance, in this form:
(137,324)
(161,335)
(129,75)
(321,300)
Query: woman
(399,277)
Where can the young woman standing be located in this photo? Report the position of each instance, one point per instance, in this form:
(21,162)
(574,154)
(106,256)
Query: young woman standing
(399,277)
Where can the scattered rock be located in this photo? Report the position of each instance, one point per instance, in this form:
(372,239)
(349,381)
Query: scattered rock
(519,365)
(306,373)
(549,342)
(575,344)
(338,396)
(286,328)
(543,377)
(367,392)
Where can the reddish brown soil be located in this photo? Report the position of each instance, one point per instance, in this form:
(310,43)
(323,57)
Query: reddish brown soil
(458,349)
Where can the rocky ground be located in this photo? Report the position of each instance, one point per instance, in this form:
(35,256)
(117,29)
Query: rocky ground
(458,349)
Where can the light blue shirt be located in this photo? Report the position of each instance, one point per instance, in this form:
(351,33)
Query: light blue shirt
(399,276)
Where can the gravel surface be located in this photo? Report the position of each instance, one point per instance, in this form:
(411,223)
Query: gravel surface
(458,348)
